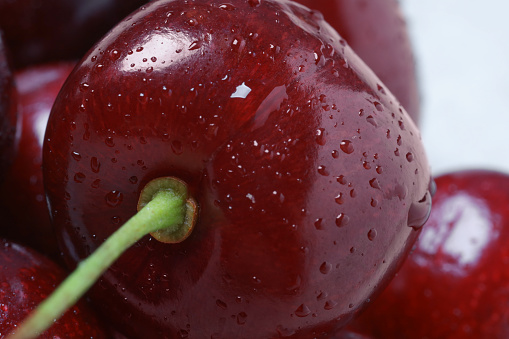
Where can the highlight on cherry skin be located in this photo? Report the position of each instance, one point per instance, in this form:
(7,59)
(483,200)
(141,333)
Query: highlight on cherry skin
(457,277)
(311,180)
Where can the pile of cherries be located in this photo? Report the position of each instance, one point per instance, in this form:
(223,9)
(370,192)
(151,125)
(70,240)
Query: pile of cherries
(286,134)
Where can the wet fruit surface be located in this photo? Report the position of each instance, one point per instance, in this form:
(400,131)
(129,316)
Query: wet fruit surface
(26,278)
(23,198)
(304,169)
(455,283)
(377,32)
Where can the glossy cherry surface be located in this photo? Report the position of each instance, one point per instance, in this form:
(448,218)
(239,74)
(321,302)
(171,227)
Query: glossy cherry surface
(22,195)
(8,110)
(54,30)
(26,278)
(377,32)
(455,284)
(310,178)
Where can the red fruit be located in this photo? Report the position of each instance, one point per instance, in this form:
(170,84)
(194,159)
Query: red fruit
(377,32)
(306,175)
(53,30)
(8,111)
(455,284)
(23,197)
(26,278)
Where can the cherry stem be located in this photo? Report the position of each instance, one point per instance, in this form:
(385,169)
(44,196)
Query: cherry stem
(167,210)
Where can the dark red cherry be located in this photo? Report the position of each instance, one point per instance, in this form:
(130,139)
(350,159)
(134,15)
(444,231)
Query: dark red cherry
(377,32)
(26,278)
(22,195)
(455,284)
(53,30)
(8,111)
(305,173)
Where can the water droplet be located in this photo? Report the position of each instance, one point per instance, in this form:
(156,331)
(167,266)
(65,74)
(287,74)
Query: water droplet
(76,156)
(114,55)
(139,49)
(330,304)
(176,147)
(109,142)
(379,107)
(372,234)
(133,180)
(302,311)
(374,202)
(381,89)
(84,87)
(323,171)
(339,199)
(372,120)
(335,154)
(379,169)
(419,211)
(227,7)
(241,318)
(114,198)
(254,3)
(325,267)
(95,183)
(221,304)
(195,45)
(341,179)
(79,177)
(374,183)
(342,220)
(320,136)
(409,157)
(318,224)
(350,306)
(95,165)
(347,146)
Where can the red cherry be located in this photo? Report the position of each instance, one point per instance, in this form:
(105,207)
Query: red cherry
(377,32)
(26,278)
(23,198)
(8,111)
(56,30)
(455,283)
(252,104)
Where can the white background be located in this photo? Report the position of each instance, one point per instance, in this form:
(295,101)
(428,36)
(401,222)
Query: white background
(462,52)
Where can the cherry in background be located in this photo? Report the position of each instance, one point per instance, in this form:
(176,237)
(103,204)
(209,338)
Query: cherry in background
(8,111)
(310,178)
(26,278)
(455,284)
(377,32)
(22,196)
(54,30)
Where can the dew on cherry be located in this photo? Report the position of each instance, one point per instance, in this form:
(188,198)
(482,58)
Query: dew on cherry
(330,304)
(109,142)
(221,304)
(302,311)
(114,198)
(419,211)
(325,267)
(76,156)
(372,234)
(346,146)
(320,136)
(241,318)
(342,220)
(374,183)
(323,170)
(79,177)
(95,165)
(409,157)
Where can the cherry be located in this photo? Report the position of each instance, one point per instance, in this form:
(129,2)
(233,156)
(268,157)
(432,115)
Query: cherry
(377,32)
(311,181)
(58,29)
(8,111)
(26,278)
(455,283)
(23,199)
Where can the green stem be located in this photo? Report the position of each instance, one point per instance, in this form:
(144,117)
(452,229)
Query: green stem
(166,210)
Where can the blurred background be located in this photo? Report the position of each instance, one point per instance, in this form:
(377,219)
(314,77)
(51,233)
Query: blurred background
(462,49)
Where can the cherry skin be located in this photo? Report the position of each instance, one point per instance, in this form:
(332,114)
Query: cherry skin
(58,29)
(23,199)
(377,32)
(8,111)
(306,172)
(26,278)
(455,283)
